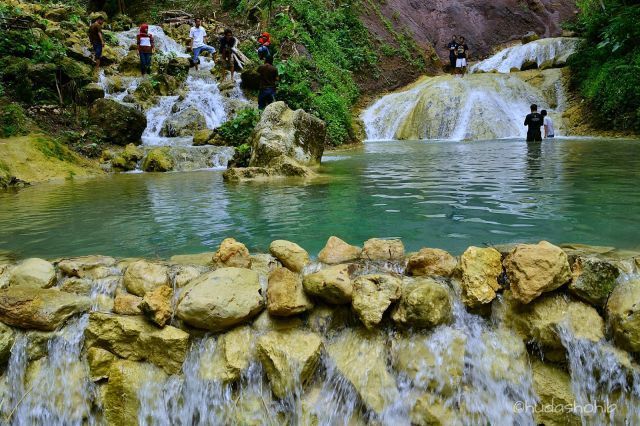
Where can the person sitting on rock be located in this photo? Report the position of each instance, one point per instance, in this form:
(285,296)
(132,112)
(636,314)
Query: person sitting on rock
(534,121)
(549,131)
(198,36)
(145,48)
(229,44)
(96,39)
(462,53)
(264,42)
(268,81)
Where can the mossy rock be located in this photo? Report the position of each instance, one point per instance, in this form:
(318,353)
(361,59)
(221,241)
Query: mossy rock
(121,124)
(128,159)
(158,160)
(91,92)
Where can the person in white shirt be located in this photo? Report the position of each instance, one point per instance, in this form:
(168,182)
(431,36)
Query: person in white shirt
(198,36)
(549,131)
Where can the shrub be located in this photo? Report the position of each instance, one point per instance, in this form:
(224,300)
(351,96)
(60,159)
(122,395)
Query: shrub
(237,131)
(13,120)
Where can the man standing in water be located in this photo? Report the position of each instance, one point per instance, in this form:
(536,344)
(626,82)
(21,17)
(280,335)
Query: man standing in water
(534,121)
(198,36)
(268,80)
(549,131)
(97,39)
(453,47)
(462,53)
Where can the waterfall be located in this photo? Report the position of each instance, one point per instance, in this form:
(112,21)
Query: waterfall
(478,106)
(544,52)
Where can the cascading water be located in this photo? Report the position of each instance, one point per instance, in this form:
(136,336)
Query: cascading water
(478,106)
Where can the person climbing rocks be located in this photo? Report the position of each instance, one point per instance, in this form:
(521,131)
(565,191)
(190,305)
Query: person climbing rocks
(96,38)
(228,48)
(462,53)
(549,131)
(268,81)
(264,45)
(534,121)
(453,47)
(145,48)
(198,43)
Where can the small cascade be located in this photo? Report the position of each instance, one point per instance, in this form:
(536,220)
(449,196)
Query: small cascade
(542,53)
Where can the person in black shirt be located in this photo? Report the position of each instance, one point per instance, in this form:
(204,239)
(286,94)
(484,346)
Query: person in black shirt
(462,52)
(534,121)
(453,46)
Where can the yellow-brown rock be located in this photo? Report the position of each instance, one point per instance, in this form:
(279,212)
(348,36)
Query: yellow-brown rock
(372,295)
(425,303)
(285,294)
(156,305)
(142,276)
(380,250)
(479,272)
(333,284)
(291,255)
(232,254)
(338,251)
(430,261)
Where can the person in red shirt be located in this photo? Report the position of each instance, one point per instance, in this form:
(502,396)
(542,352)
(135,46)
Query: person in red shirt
(145,48)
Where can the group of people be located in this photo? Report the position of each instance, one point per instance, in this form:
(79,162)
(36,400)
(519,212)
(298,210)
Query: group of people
(535,122)
(458,55)
(231,56)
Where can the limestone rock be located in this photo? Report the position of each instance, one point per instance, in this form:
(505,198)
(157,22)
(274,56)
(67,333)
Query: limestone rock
(233,353)
(553,387)
(434,362)
(338,251)
(36,273)
(360,357)
(264,264)
(289,358)
(186,123)
(623,315)
(99,361)
(285,294)
(377,249)
(184,274)
(325,319)
(121,124)
(332,284)
(7,337)
(92,267)
(480,269)
(40,309)
(430,410)
(221,299)
(156,305)
(430,261)
(127,304)
(265,322)
(121,401)
(232,254)
(91,92)
(202,137)
(505,354)
(128,159)
(541,321)
(200,259)
(593,280)
(425,303)
(158,160)
(142,276)
(136,339)
(372,295)
(291,255)
(282,132)
(533,269)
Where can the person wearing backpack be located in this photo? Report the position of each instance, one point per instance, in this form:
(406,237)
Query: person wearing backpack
(145,48)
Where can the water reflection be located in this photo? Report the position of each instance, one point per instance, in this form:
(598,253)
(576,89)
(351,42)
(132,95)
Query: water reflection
(445,194)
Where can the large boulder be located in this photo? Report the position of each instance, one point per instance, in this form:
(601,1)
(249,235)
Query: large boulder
(380,250)
(434,362)
(121,124)
(234,351)
(185,123)
(134,338)
(533,269)
(338,251)
(372,295)
(221,299)
(122,397)
(289,358)
(282,132)
(623,315)
(291,255)
(158,160)
(425,303)
(142,276)
(40,309)
(91,267)
(553,387)
(332,285)
(360,357)
(91,92)
(593,280)
(479,270)
(232,253)
(36,273)
(543,320)
(285,294)
(430,261)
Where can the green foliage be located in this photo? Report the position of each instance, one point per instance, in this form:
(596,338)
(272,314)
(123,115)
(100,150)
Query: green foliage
(606,67)
(13,121)
(237,131)
(54,149)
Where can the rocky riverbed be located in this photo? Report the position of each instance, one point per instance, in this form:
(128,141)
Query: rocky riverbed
(357,334)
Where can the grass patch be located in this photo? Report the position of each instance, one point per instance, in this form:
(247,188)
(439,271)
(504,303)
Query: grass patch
(54,149)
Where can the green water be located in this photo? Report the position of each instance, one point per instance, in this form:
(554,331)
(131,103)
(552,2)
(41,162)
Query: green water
(435,194)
